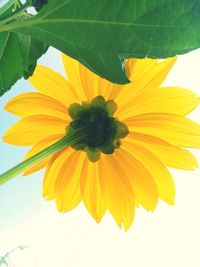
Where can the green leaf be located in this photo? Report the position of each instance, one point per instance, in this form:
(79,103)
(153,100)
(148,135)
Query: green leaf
(18,58)
(117,29)
(108,66)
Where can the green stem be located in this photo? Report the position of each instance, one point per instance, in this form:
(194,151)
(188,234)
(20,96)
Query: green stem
(70,139)
(6,7)
(15,14)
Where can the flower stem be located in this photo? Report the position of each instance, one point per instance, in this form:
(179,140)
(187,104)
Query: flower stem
(70,139)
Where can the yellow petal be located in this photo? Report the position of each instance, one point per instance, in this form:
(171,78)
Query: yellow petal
(91,190)
(36,149)
(30,104)
(146,75)
(31,130)
(149,72)
(117,192)
(141,181)
(165,100)
(176,130)
(166,119)
(72,69)
(89,82)
(168,154)
(160,174)
(107,89)
(67,185)
(54,85)
(52,172)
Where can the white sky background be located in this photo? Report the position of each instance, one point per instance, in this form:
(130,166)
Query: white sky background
(168,237)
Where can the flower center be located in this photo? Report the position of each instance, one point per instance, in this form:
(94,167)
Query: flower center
(104,130)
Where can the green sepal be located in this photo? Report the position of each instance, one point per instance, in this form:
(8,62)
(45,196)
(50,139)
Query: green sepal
(93,155)
(116,143)
(75,124)
(75,110)
(85,104)
(69,129)
(79,146)
(108,149)
(111,107)
(98,102)
(121,130)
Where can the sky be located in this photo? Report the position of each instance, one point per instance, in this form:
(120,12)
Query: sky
(168,237)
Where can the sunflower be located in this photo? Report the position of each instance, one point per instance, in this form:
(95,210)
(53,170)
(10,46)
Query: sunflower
(134,133)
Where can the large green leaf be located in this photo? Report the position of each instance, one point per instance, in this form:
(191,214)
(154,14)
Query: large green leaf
(102,34)
(117,29)
(109,66)
(18,57)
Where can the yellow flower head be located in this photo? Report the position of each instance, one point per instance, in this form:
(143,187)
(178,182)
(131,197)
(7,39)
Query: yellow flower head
(137,131)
